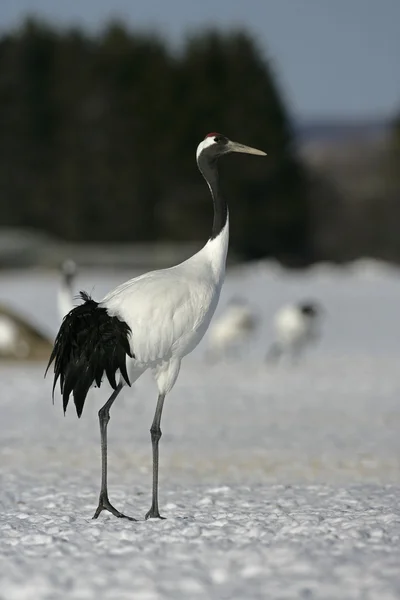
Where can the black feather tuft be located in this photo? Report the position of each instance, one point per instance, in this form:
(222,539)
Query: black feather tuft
(89,344)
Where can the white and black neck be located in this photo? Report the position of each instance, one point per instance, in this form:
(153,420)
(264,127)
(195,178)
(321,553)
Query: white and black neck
(209,170)
(209,150)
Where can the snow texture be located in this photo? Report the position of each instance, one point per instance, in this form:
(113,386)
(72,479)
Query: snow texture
(278,482)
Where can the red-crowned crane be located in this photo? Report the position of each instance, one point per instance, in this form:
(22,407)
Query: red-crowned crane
(296,326)
(234,327)
(150,322)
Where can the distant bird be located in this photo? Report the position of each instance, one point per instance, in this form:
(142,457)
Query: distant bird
(65,299)
(150,322)
(19,339)
(296,326)
(234,327)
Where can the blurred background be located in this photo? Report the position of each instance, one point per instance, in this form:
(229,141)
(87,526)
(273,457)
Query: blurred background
(294,391)
(102,105)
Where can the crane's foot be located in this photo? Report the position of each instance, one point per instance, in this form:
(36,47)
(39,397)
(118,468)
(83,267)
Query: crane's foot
(105,504)
(153,513)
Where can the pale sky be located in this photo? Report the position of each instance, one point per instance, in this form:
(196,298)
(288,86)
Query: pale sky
(332,57)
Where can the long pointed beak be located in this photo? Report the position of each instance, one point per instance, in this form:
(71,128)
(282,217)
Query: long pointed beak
(235,147)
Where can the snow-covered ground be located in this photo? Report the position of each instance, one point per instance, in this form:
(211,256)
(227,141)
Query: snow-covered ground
(277,482)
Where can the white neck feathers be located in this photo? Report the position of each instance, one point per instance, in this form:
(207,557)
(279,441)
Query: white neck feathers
(217,250)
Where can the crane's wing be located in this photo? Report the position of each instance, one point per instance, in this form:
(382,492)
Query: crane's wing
(89,344)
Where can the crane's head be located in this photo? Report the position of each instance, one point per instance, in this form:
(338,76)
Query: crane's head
(310,309)
(215,145)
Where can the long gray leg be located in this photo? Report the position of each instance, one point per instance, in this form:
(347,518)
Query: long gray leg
(104,417)
(155,432)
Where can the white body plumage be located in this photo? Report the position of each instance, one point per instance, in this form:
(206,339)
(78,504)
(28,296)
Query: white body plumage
(169,310)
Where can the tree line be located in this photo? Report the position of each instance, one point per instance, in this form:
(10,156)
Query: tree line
(98,137)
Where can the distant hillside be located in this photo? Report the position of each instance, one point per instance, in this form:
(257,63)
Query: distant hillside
(354,204)
(340,130)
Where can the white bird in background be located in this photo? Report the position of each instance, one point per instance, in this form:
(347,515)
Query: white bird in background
(150,322)
(234,327)
(65,298)
(296,326)
(21,340)
(11,344)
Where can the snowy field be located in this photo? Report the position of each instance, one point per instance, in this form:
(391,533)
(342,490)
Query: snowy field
(277,482)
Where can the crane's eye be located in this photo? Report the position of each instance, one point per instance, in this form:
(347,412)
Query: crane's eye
(220,139)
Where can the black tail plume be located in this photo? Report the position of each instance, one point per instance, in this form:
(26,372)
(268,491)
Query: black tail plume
(89,344)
